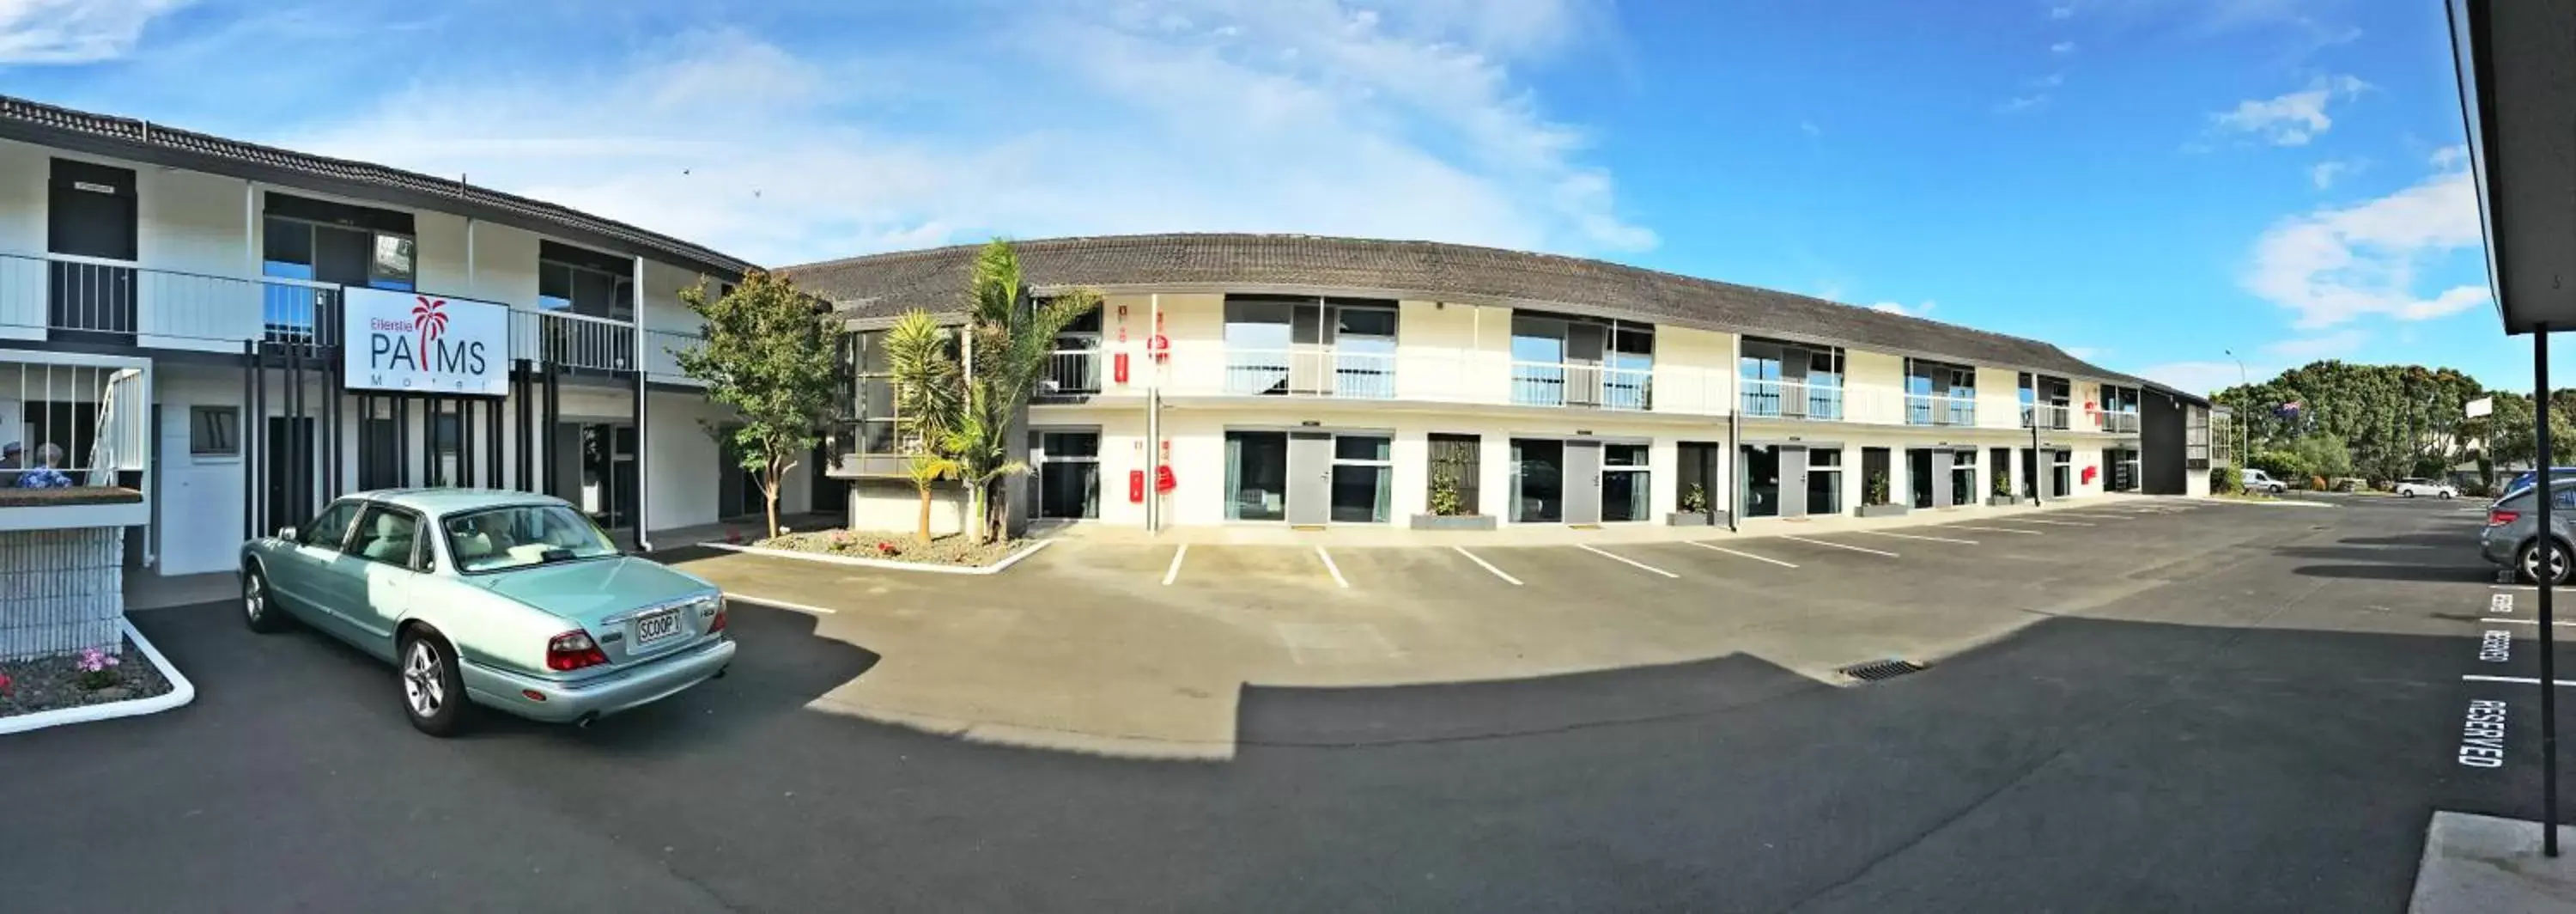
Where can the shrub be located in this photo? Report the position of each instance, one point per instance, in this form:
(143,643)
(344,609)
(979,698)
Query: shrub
(1695,501)
(2003,484)
(1444,496)
(2224,480)
(97,669)
(1877,494)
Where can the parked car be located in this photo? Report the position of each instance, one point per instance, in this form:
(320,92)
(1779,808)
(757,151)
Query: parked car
(2511,535)
(507,600)
(2259,481)
(2411,487)
(2524,479)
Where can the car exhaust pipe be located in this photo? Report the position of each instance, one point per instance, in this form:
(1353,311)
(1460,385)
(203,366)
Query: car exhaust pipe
(586,720)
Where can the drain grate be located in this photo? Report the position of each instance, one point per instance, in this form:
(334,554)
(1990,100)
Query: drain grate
(1877,670)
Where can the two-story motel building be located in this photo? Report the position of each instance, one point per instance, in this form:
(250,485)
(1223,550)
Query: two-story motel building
(1309,381)
(208,322)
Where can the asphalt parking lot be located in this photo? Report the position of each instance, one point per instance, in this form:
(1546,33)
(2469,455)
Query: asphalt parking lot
(2214,707)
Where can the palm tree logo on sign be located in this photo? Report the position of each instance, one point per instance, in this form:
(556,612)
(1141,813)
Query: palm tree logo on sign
(430,315)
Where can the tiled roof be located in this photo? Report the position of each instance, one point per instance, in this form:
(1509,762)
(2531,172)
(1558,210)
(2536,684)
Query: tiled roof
(882,285)
(149,138)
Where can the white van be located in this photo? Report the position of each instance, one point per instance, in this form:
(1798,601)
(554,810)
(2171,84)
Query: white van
(2259,481)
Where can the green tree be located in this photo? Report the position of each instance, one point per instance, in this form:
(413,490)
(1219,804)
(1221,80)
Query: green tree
(1010,337)
(769,355)
(928,386)
(2324,455)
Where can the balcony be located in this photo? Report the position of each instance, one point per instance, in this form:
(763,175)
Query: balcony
(86,299)
(1310,373)
(661,356)
(2121,422)
(1593,386)
(1775,399)
(1071,373)
(567,340)
(2044,416)
(1941,409)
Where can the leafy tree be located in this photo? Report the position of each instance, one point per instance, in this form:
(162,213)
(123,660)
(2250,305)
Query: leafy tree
(2324,455)
(927,387)
(769,355)
(2281,464)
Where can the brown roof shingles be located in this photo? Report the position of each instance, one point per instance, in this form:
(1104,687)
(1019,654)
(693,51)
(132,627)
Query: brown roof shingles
(883,285)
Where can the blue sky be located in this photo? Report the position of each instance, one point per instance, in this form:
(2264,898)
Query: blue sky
(2149,183)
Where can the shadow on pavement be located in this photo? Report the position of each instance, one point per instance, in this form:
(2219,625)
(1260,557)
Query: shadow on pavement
(2435,574)
(1359,716)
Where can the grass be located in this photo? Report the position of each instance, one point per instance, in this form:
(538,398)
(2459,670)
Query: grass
(896,547)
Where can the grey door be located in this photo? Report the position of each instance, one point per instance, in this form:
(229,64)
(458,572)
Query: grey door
(1941,496)
(1310,478)
(1793,478)
(1582,482)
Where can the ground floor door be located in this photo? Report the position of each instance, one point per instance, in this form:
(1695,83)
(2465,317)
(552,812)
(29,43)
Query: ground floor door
(601,472)
(1697,487)
(289,441)
(1821,465)
(2120,470)
(1310,478)
(737,488)
(1538,481)
(1064,480)
(1256,475)
(2029,473)
(829,495)
(380,446)
(1761,491)
(1921,486)
(1583,482)
(1999,469)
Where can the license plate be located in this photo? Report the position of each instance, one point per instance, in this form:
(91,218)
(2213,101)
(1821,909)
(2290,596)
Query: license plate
(655,626)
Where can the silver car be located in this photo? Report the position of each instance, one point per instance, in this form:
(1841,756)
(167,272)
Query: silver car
(2511,537)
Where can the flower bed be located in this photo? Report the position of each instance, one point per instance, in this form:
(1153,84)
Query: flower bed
(88,678)
(895,547)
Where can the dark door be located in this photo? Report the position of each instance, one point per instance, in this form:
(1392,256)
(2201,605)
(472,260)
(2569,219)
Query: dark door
(289,441)
(1697,487)
(737,488)
(830,496)
(1456,464)
(2029,473)
(2000,467)
(90,213)
(1761,491)
(1874,478)
(1583,482)
(1538,481)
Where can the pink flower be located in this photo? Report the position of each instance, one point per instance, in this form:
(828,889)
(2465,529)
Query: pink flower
(4,685)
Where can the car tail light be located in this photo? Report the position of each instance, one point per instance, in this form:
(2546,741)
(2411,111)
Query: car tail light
(2497,517)
(717,624)
(573,650)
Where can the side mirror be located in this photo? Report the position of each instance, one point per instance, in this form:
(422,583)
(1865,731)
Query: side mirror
(286,533)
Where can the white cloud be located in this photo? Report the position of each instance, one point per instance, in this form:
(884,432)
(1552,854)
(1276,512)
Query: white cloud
(2325,174)
(2202,377)
(2333,265)
(2061,11)
(2290,119)
(1809,128)
(1921,310)
(2308,349)
(2020,103)
(74,31)
(1409,125)
(2449,158)
(2062,48)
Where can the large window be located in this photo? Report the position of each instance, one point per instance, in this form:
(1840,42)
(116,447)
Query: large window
(1278,345)
(333,243)
(1963,476)
(1065,478)
(1624,485)
(1256,475)
(1362,471)
(1581,361)
(1538,481)
(584,282)
(2044,400)
(1940,394)
(1824,480)
(872,393)
(1791,380)
(2061,473)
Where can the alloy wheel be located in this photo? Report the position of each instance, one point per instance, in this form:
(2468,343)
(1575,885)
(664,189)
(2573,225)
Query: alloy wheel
(2531,559)
(254,598)
(423,681)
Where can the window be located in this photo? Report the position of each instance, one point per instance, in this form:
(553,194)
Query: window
(1791,380)
(1581,361)
(1963,476)
(387,535)
(873,410)
(1363,469)
(1065,481)
(1278,345)
(1940,394)
(584,282)
(2061,478)
(330,528)
(1824,480)
(214,431)
(1624,486)
(336,244)
(522,535)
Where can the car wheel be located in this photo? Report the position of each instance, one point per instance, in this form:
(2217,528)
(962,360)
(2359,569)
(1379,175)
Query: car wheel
(2529,563)
(258,609)
(432,689)
(2410,493)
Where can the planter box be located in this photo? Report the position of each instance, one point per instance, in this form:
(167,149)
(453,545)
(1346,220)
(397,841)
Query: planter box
(1695,519)
(1884,510)
(1454,522)
(2001,501)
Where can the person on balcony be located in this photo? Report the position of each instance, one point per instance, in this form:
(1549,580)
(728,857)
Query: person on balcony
(11,459)
(45,475)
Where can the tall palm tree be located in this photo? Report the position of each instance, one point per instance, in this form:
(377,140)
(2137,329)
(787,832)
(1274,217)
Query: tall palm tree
(1010,336)
(928,390)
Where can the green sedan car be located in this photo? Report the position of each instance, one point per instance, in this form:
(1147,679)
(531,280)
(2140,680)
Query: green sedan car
(502,599)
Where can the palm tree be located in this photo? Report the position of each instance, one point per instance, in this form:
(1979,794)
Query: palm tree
(1011,336)
(928,388)
(981,445)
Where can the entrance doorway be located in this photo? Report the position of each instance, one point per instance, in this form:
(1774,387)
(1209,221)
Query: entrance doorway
(1696,488)
(598,458)
(1256,476)
(1918,475)
(1761,494)
(737,487)
(1065,483)
(289,440)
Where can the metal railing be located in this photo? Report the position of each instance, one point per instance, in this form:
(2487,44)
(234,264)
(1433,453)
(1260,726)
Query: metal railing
(1940,409)
(1072,371)
(1580,385)
(2120,421)
(89,298)
(2043,415)
(571,340)
(1310,373)
(1774,399)
(661,354)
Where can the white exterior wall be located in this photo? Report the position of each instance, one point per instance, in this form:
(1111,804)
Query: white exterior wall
(1695,371)
(1195,325)
(1998,398)
(1874,384)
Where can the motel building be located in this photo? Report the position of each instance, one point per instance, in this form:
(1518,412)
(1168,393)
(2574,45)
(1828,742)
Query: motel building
(240,333)
(1311,382)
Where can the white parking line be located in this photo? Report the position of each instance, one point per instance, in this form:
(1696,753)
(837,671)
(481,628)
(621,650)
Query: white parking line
(1625,560)
(1741,555)
(2517,680)
(2497,621)
(2092,516)
(1841,546)
(1175,570)
(1998,530)
(2052,523)
(1911,536)
(779,604)
(1488,566)
(1329,566)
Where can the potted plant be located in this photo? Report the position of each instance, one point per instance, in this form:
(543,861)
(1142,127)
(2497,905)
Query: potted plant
(2003,492)
(1695,511)
(1448,510)
(1874,502)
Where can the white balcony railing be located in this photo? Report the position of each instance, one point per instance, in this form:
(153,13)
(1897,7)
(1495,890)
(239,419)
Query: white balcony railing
(2119,422)
(568,340)
(1941,409)
(1775,399)
(2043,415)
(1072,372)
(1310,373)
(661,355)
(1569,384)
(60,295)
